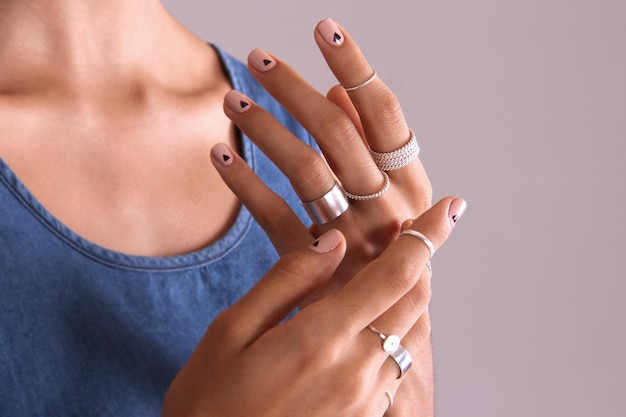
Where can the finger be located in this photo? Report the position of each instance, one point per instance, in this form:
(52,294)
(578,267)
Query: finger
(334,132)
(386,403)
(306,170)
(396,271)
(339,96)
(415,394)
(295,276)
(379,110)
(401,317)
(281,224)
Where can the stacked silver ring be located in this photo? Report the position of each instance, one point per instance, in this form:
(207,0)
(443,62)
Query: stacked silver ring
(399,158)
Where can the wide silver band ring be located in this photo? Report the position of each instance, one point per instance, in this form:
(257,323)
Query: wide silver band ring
(363,84)
(427,242)
(328,207)
(403,359)
(372,196)
(399,158)
(390,342)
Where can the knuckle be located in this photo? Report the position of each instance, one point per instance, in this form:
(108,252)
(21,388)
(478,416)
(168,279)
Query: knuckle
(291,266)
(311,166)
(403,273)
(339,128)
(225,328)
(419,297)
(315,351)
(422,330)
(273,218)
(388,109)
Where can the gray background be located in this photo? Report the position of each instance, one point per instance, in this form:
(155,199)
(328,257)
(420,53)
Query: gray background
(520,107)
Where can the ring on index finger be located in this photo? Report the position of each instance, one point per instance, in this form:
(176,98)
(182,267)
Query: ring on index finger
(422,237)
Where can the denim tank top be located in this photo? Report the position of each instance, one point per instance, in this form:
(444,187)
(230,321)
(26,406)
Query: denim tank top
(86,331)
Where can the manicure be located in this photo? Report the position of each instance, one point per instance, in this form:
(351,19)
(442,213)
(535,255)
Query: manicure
(456,210)
(330,32)
(222,154)
(261,60)
(327,242)
(237,102)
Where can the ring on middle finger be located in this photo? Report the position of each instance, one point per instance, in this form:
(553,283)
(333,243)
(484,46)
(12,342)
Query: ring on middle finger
(399,158)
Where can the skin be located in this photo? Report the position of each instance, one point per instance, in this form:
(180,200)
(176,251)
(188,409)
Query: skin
(109,120)
(248,363)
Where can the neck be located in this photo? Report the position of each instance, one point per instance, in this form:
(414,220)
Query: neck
(86,42)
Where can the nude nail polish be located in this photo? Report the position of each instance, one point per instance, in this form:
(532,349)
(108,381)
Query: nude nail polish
(237,102)
(456,210)
(261,60)
(222,154)
(330,32)
(327,242)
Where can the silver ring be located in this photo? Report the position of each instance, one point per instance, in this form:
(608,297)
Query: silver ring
(399,158)
(430,269)
(427,242)
(390,396)
(390,343)
(370,196)
(328,207)
(363,84)
(403,359)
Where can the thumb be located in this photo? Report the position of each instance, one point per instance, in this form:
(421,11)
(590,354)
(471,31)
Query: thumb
(294,277)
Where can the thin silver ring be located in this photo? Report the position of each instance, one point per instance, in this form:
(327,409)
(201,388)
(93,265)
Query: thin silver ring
(403,359)
(390,342)
(427,242)
(430,269)
(328,207)
(390,396)
(370,196)
(363,84)
(399,158)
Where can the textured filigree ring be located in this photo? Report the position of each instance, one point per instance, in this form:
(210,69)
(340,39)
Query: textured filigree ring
(372,196)
(399,158)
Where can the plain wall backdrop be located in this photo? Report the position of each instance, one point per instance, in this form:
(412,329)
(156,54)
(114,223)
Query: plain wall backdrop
(520,108)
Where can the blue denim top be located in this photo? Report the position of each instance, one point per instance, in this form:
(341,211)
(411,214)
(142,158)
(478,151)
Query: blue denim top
(86,331)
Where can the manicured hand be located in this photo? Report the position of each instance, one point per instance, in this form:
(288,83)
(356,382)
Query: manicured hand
(324,361)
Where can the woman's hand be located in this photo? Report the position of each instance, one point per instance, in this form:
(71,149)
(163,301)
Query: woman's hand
(344,124)
(324,361)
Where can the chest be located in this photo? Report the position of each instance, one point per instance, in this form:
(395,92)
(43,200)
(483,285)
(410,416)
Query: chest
(143,189)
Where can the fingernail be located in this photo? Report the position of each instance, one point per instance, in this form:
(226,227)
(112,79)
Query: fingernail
(261,60)
(456,210)
(330,32)
(222,154)
(237,101)
(327,242)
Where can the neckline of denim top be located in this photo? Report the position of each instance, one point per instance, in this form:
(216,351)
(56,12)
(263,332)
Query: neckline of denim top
(206,255)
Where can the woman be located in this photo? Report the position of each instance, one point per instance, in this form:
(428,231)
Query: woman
(120,243)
